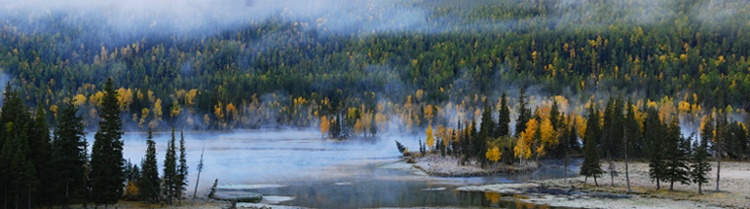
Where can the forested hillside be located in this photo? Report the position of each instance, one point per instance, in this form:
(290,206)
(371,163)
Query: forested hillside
(410,62)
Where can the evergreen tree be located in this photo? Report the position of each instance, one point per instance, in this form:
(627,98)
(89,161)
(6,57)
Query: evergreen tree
(182,169)
(503,120)
(13,111)
(20,174)
(169,180)
(107,163)
(149,182)
(591,166)
(524,113)
(486,132)
(653,135)
(612,132)
(676,154)
(554,115)
(593,130)
(41,149)
(700,166)
(633,133)
(69,152)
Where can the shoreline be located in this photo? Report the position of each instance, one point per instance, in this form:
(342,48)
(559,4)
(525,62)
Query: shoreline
(437,165)
(735,187)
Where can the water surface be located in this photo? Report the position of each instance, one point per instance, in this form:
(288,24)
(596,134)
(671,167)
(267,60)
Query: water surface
(321,173)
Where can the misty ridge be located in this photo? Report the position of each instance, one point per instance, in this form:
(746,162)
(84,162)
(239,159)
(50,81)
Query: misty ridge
(232,53)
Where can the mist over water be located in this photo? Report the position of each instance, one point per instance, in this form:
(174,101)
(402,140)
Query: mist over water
(318,172)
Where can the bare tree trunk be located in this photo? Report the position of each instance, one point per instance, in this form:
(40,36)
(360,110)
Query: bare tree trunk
(718,171)
(627,176)
(658,186)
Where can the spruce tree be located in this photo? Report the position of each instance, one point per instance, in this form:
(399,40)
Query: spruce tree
(169,180)
(486,132)
(700,166)
(68,152)
(554,115)
(182,169)
(41,152)
(107,163)
(591,166)
(676,154)
(503,120)
(653,134)
(593,130)
(524,113)
(149,183)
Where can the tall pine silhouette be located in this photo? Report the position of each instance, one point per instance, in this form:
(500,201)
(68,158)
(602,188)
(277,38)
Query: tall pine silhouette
(68,153)
(107,163)
(149,182)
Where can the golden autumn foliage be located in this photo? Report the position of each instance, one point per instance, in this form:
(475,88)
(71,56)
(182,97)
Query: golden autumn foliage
(144,115)
(494,154)
(325,125)
(80,100)
(430,140)
(124,98)
(549,137)
(522,150)
(131,190)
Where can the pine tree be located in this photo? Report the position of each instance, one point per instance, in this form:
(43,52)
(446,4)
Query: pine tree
(13,111)
(653,134)
(182,169)
(593,130)
(68,152)
(700,166)
(632,133)
(107,163)
(591,166)
(486,132)
(503,120)
(149,182)
(554,115)
(41,149)
(170,171)
(676,154)
(524,113)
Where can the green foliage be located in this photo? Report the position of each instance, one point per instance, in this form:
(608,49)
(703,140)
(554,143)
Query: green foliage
(699,164)
(400,147)
(654,134)
(182,169)
(149,182)
(69,153)
(524,112)
(503,121)
(107,163)
(170,177)
(676,155)
(591,166)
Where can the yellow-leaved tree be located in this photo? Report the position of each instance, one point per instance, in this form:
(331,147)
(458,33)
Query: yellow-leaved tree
(430,141)
(325,124)
(493,154)
(522,150)
(548,137)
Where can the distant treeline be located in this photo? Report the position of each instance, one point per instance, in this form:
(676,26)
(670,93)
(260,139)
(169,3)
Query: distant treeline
(277,72)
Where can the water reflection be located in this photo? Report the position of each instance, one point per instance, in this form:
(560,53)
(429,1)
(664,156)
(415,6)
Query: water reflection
(322,173)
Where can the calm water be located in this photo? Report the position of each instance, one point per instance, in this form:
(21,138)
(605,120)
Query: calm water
(321,173)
